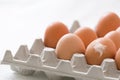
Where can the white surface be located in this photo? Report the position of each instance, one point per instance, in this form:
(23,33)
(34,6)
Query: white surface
(7,74)
(22,21)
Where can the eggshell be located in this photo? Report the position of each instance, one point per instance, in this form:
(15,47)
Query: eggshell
(53,33)
(115,37)
(86,34)
(107,23)
(100,49)
(117,59)
(68,45)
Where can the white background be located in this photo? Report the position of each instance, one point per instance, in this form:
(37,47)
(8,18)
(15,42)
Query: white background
(22,21)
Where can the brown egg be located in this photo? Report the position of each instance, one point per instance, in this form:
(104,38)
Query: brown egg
(86,34)
(68,45)
(115,37)
(107,23)
(117,59)
(100,49)
(53,33)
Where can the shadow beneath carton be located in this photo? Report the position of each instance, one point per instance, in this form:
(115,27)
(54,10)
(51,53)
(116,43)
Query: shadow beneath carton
(67,78)
(38,75)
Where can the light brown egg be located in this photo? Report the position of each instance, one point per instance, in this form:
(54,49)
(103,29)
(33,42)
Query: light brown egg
(86,34)
(107,23)
(100,49)
(53,33)
(115,37)
(68,45)
(117,59)
(118,29)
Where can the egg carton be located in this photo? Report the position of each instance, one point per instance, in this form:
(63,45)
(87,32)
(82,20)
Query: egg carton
(43,59)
